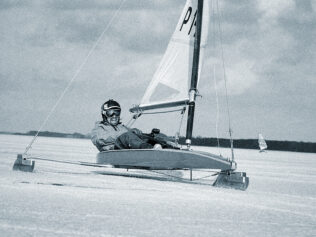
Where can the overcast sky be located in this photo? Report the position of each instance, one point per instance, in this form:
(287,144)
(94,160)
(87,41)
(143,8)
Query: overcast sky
(269,50)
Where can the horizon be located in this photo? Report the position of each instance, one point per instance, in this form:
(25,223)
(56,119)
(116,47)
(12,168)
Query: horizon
(269,57)
(194,137)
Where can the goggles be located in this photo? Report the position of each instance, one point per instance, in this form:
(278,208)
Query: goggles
(112,112)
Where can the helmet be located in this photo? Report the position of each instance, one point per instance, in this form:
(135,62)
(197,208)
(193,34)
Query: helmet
(111,107)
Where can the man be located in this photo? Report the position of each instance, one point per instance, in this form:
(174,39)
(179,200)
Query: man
(110,133)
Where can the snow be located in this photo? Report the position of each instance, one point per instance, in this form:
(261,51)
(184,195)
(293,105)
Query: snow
(71,200)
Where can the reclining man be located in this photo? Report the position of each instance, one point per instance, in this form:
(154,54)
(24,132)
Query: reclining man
(110,133)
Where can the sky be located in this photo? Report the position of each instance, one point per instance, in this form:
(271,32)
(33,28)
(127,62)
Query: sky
(269,56)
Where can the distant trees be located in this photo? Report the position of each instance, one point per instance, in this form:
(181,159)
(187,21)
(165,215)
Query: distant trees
(54,134)
(253,144)
(206,141)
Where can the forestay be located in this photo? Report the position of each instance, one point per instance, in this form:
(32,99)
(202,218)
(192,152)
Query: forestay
(170,84)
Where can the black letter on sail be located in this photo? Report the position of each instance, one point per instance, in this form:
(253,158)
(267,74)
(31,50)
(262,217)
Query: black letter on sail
(193,23)
(186,17)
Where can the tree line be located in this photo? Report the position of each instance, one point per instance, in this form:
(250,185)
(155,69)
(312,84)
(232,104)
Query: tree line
(253,144)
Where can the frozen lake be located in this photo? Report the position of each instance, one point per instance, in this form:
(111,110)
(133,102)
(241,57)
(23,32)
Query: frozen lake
(70,200)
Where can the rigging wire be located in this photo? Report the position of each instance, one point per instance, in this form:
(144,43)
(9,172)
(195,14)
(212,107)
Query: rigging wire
(225,79)
(74,77)
(214,75)
(183,179)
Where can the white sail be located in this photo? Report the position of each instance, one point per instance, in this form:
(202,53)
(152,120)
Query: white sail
(262,143)
(170,83)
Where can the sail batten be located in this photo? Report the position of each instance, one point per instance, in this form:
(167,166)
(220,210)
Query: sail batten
(171,81)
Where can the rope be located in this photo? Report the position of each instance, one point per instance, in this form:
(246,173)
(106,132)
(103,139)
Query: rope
(224,75)
(217,112)
(178,133)
(133,119)
(167,175)
(73,78)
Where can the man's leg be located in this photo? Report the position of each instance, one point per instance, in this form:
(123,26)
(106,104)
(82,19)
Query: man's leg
(130,140)
(161,139)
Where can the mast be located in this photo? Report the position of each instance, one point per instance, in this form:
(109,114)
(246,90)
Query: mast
(194,75)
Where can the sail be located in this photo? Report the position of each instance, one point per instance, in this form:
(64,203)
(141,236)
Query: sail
(262,143)
(170,83)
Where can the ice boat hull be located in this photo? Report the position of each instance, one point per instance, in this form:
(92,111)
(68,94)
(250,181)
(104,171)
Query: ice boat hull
(165,159)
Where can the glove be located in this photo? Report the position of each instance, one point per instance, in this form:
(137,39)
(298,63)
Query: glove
(136,131)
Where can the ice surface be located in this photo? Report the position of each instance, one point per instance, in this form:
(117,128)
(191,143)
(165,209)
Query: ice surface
(69,200)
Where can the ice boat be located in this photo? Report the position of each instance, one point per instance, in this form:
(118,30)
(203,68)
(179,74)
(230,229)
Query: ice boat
(262,143)
(174,84)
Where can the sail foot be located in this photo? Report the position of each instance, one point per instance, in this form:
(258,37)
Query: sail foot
(235,180)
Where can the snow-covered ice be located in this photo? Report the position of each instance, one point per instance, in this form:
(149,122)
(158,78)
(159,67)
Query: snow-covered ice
(70,200)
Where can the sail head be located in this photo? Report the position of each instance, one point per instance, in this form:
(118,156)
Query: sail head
(171,81)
